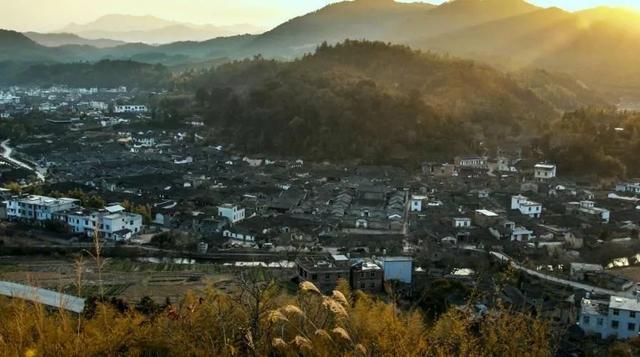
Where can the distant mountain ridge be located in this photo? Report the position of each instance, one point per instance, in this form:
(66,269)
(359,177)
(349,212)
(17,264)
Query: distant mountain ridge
(153,30)
(63,39)
(598,47)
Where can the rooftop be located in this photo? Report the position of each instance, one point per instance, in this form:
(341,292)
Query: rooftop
(323,263)
(622,303)
(44,200)
(487,213)
(395,259)
(594,307)
(545,166)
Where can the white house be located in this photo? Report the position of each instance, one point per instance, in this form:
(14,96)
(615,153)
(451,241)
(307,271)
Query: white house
(471,161)
(110,223)
(130,109)
(526,207)
(521,234)
(628,187)
(231,212)
(96,105)
(239,234)
(544,171)
(416,203)
(37,208)
(462,222)
(618,317)
(144,140)
(588,208)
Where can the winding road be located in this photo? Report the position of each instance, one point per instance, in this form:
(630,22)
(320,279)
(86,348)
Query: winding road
(6,154)
(564,282)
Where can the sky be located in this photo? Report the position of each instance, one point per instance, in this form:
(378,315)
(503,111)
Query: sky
(51,15)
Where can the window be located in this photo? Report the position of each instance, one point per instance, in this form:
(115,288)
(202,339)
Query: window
(586,319)
(614,324)
(631,326)
(327,276)
(616,312)
(599,321)
(314,276)
(632,314)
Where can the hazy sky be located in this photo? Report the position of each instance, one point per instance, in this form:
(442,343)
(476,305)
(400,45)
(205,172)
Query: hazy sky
(50,15)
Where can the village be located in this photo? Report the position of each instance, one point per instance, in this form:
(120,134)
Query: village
(101,171)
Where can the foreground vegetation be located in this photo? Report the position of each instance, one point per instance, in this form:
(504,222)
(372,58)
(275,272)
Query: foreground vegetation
(257,320)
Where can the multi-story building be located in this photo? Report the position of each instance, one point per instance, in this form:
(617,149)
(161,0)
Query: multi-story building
(461,222)
(37,208)
(366,276)
(119,109)
(323,271)
(544,172)
(111,223)
(471,161)
(145,140)
(96,105)
(526,207)
(239,234)
(397,268)
(416,203)
(618,317)
(588,208)
(231,212)
(629,187)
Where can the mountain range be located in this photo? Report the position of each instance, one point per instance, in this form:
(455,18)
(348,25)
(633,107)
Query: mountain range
(62,39)
(598,47)
(153,30)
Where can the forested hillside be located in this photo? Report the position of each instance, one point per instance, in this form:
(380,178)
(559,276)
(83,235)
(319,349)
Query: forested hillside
(105,74)
(593,142)
(370,101)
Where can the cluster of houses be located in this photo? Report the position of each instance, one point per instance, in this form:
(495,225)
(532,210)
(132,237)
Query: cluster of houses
(67,100)
(111,222)
(371,207)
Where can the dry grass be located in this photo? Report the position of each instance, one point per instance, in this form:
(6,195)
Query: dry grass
(261,322)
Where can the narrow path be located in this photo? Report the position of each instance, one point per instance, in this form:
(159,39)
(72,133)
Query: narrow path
(564,282)
(7,151)
(42,296)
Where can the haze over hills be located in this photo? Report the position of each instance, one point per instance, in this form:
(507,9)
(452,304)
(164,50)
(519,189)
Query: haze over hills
(595,49)
(359,19)
(459,14)
(594,46)
(153,30)
(62,39)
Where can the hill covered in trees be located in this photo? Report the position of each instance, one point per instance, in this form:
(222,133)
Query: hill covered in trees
(593,142)
(596,46)
(372,101)
(105,74)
